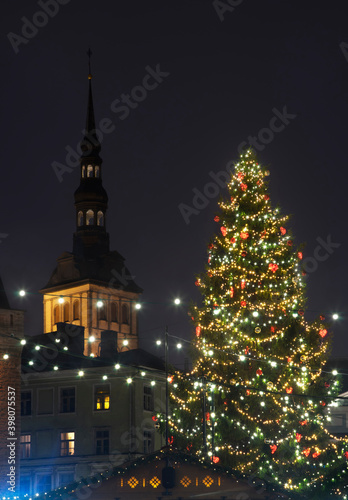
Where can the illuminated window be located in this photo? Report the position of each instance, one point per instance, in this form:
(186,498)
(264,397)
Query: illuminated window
(148,398)
(25,444)
(67,400)
(67,443)
(90,218)
(113,312)
(76,309)
(25,403)
(80,218)
(102,312)
(102,397)
(56,314)
(125,314)
(148,442)
(66,312)
(97,171)
(90,171)
(83,171)
(102,442)
(100,218)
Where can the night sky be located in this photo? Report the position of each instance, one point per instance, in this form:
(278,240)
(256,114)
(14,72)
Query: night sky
(225,76)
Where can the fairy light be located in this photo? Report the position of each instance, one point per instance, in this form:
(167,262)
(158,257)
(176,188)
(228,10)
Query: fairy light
(100,304)
(256,349)
(61,300)
(22,293)
(137,306)
(177,302)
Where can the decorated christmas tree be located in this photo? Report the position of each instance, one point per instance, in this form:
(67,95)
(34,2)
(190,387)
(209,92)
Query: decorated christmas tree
(258,397)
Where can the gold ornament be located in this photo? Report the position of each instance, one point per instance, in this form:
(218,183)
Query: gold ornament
(269,386)
(303,358)
(257,329)
(267,173)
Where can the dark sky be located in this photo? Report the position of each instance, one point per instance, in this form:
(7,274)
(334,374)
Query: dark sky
(229,75)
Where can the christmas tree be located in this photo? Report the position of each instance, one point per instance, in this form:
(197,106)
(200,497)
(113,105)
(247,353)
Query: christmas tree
(258,396)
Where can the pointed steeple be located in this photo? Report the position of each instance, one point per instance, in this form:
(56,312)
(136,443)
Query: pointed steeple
(91,200)
(4,303)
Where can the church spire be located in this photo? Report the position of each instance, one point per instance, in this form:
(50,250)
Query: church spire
(91,201)
(4,303)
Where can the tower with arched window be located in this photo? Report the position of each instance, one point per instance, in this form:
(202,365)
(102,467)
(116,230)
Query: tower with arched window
(91,286)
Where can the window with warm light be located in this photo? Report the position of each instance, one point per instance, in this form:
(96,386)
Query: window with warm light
(100,218)
(67,444)
(25,445)
(80,218)
(90,218)
(66,312)
(56,314)
(102,397)
(90,171)
(67,400)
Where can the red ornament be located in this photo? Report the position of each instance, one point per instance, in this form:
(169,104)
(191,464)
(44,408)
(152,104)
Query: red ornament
(273,448)
(243,253)
(300,255)
(244,235)
(233,240)
(211,246)
(290,243)
(154,418)
(283,230)
(301,312)
(171,440)
(298,437)
(322,318)
(216,218)
(322,332)
(289,390)
(303,422)
(316,454)
(266,197)
(243,303)
(209,259)
(246,351)
(247,392)
(232,291)
(216,460)
(346,454)
(272,329)
(198,331)
(242,284)
(273,267)
(289,360)
(304,273)
(232,199)
(259,371)
(306,451)
(207,416)
(243,186)
(322,403)
(240,176)
(198,282)
(263,234)
(170,379)
(223,230)
(327,385)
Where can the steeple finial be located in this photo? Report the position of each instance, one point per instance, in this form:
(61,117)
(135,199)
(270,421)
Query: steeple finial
(90,145)
(89,53)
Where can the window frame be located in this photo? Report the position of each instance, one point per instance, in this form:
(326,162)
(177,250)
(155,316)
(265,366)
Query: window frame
(61,389)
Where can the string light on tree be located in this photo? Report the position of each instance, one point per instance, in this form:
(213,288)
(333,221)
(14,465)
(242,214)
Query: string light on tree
(260,364)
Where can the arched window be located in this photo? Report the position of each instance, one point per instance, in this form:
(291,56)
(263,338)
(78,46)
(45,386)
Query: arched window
(125,314)
(90,218)
(66,312)
(102,312)
(80,218)
(56,314)
(83,171)
(90,171)
(113,312)
(96,171)
(76,310)
(100,218)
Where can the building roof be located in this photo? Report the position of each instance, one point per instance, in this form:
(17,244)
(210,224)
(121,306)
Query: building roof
(4,303)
